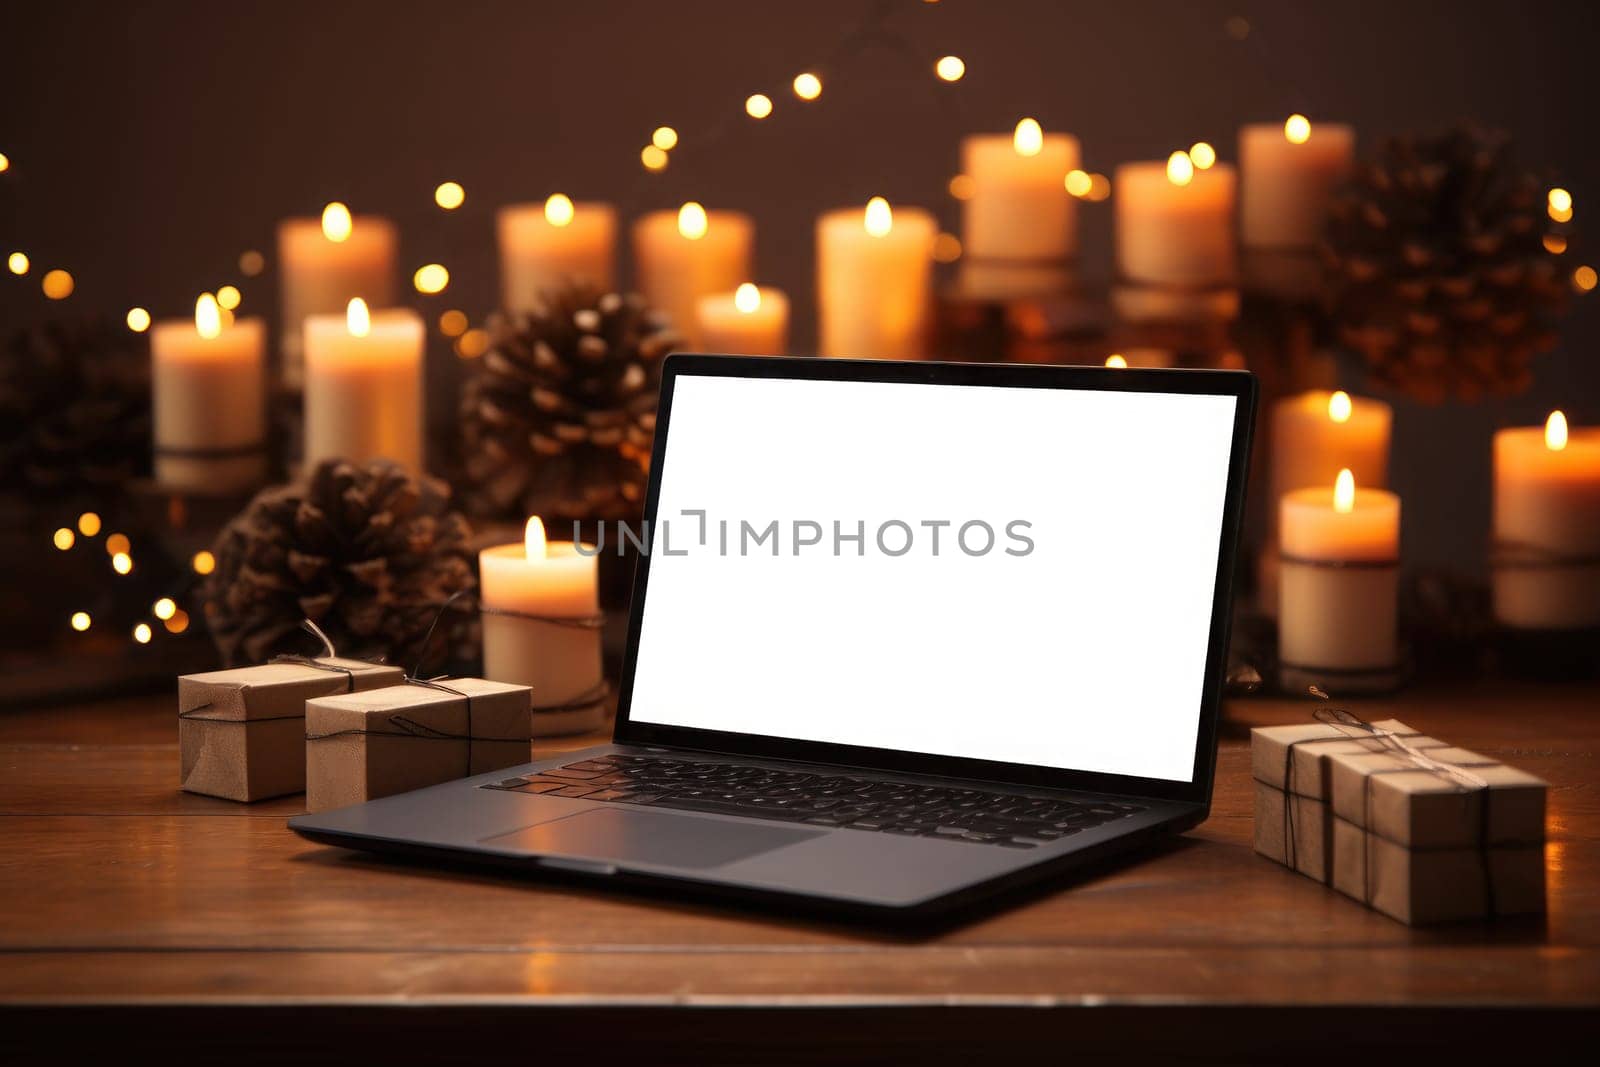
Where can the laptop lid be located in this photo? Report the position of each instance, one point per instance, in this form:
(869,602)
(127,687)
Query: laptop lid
(1010,573)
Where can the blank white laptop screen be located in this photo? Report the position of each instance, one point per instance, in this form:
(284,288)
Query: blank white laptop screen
(820,569)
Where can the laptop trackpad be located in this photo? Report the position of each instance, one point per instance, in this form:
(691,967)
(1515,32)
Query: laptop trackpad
(649,837)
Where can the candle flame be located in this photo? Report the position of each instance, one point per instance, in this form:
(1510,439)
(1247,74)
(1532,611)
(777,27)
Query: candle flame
(1180,168)
(1555,431)
(357,319)
(336,222)
(1340,407)
(533,541)
(207,316)
(1116,359)
(558,209)
(878,219)
(692,221)
(747,298)
(1297,129)
(1344,492)
(1028,139)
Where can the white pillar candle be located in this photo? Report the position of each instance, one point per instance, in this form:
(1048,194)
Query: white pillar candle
(682,255)
(1019,224)
(874,281)
(1547,509)
(209,384)
(543,246)
(751,321)
(323,265)
(1288,174)
(540,601)
(1175,223)
(1338,596)
(364,386)
(1318,433)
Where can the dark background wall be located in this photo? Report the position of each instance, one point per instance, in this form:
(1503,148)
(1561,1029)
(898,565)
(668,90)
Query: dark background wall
(153,143)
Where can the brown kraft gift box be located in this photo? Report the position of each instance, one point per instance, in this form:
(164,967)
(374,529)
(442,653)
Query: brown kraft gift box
(241,731)
(365,745)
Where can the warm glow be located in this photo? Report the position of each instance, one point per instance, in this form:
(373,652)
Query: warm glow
(64,539)
(1116,359)
(1340,407)
(962,187)
(80,621)
(1078,183)
(1202,155)
(207,316)
(204,562)
(431,278)
(472,344)
(692,222)
(138,320)
(533,541)
(1555,243)
(336,222)
(122,563)
(1297,129)
(1344,492)
(453,323)
(1560,216)
(664,138)
(807,86)
(747,298)
(758,105)
(1028,138)
(1555,431)
(88,524)
(5,163)
(1099,188)
(57,284)
(178,623)
(1180,168)
(141,633)
(1560,202)
(117,544)
(252,263)
(558,209)
(653,158)
(357,319)
(228,297)
(950,68)
(946,248)
(17,263)
(449,195)
(1584,278)
(878,219)
(164,608)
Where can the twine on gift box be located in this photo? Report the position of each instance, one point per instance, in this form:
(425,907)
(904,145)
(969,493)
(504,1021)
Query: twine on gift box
(301,661)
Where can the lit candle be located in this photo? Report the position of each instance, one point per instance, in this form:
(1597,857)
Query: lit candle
(364,386)
(1175,223)
(1318,433)
(1019,227)
(683,255)
(1288,173)
(540,602)
(1547,527)
(324,264)
(543,246)
(1338,596)
(209,395)
(874,274)
(750,321)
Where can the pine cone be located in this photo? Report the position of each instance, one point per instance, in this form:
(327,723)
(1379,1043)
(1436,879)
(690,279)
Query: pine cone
(74,406)
(1438,271)
(558,414)
(367,552)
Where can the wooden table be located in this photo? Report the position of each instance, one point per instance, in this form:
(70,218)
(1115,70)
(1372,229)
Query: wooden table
(135,913)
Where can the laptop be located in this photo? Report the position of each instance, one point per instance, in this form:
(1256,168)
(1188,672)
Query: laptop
(907,635)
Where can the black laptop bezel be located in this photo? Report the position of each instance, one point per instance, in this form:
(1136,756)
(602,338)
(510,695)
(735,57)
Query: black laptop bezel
(1238,384)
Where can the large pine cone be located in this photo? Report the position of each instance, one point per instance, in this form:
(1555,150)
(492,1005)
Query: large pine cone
(368,552)
(74,406)
(1439,275)
(558,414)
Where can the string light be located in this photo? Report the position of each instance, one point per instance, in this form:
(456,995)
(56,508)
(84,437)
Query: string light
(962,187)
(228,297)
(1202,155)
(1078,183)
(946,248)
(337,223)
(758,105)
(692,221)
(431,278)
(1099,188)
(57,284)
(164,608)
(252,263)
(664,138)
(5,163)
(472,344)
(141,633)
(1180,169)
(17,263)
(558,209)
(1297,129)
(138,320)
(64,539)
(449,195)
(1559,200)
(453,323)
(807,86)
(1117,359)
(117,544)
(81,621)
(89,524)
(653,158)
(1555,243)
(1584,278)
(204,562)
(178,623)
(122,563)
(950,68)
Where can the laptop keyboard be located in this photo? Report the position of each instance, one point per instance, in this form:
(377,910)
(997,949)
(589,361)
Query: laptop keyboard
(944,812)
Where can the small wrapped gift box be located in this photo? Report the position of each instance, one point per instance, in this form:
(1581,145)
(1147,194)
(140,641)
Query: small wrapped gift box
(1437,835)
(240,731)
(365,745)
